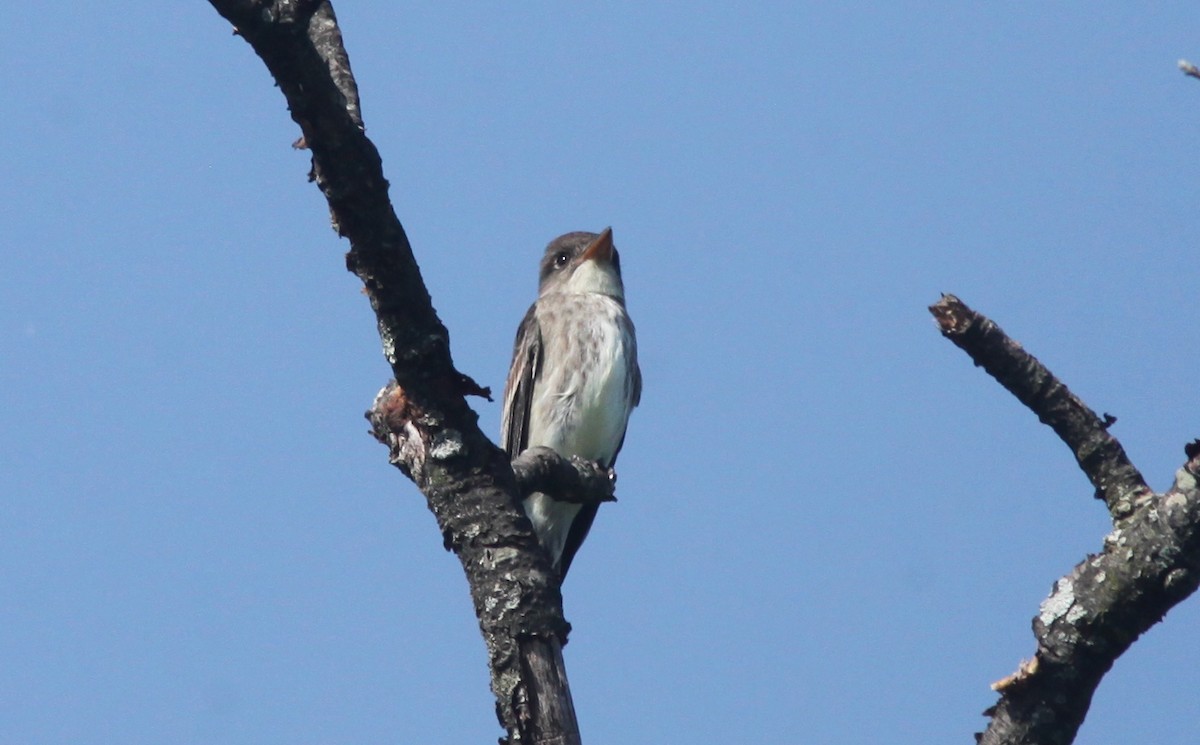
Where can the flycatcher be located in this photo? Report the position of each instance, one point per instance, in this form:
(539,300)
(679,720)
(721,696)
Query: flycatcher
(574,377)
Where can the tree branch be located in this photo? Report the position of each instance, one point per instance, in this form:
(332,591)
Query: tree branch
(1098,453)
(542,469)
(432,434)
(1149,563)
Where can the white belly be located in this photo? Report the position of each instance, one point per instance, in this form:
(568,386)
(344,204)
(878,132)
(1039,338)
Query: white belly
(585,414)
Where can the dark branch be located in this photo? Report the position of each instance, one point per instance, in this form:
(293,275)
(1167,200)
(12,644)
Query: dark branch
(1149,563)
(520,613)
(432,434)
(1098,453)
(580,481)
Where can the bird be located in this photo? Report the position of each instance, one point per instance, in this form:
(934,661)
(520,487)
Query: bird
(574,378)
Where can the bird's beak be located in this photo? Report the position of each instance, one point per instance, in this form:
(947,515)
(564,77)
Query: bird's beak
(601,248)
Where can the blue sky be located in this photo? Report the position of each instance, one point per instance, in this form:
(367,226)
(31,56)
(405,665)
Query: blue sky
(831,527)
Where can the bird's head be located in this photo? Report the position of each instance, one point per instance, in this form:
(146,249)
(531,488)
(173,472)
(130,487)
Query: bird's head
(582,263)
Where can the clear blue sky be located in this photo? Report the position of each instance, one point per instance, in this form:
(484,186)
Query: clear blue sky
(831,527)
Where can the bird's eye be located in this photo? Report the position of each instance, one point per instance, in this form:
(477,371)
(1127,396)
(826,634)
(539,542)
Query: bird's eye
(560,259)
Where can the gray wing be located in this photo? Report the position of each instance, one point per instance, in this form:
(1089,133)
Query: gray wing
(518,390)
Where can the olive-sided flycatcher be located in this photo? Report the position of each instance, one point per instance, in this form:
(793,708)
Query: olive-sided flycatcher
(574,377)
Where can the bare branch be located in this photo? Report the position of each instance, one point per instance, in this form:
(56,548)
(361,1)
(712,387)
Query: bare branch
(575,480)
(1098,453)
(423,417)
(1149,563)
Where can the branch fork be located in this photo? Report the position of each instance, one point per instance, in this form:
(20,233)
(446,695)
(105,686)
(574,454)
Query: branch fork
(1149,562)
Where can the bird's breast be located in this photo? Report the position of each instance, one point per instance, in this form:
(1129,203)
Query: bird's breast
(584,392)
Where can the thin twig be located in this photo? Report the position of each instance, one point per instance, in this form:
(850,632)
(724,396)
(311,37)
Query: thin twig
(574,480)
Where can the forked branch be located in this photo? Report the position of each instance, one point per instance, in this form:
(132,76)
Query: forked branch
(1148,563)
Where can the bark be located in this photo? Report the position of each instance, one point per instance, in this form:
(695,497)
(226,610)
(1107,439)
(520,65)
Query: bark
(432,434)
(1147,564)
